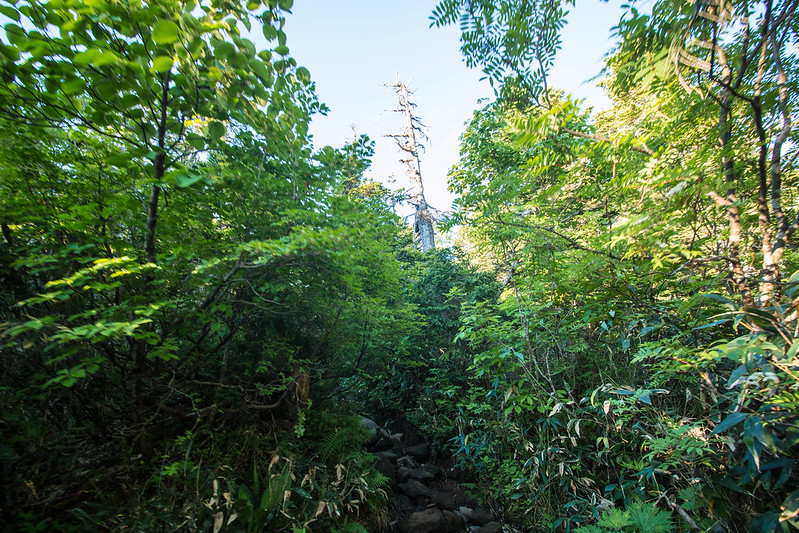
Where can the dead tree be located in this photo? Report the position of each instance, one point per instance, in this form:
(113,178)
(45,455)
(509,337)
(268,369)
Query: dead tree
(409,148)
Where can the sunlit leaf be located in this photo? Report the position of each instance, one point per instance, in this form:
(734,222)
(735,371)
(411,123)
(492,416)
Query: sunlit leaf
(165,32)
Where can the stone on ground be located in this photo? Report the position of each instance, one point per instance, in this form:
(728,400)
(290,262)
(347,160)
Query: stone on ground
(433,521)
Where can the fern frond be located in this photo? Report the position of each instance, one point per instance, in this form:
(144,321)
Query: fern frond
(589,529)
(647,518)
(336,446)
(614,519)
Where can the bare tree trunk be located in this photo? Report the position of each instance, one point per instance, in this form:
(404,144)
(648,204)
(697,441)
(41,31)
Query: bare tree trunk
(406,141)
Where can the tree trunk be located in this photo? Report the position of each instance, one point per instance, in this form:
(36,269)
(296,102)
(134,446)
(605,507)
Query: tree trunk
(423,218)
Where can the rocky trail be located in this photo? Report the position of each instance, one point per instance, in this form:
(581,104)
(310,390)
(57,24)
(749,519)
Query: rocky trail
(425,495)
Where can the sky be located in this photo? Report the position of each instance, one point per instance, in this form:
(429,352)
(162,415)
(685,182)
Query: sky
(353,47)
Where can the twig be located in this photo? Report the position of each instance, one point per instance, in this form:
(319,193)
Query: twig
(680,511)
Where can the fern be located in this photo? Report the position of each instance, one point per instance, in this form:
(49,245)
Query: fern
(640,517)
(614,519)
(589,529)
(335,447)
(647,518)
(372,478)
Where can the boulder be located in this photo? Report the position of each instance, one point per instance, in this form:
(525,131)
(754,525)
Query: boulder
(396,444)
(406,461)
(414,489)
(480,517)
(420,475)
(372,428)
(384,464)
(433,521)
(420,452)
(465,512)
(434,470)
(403,473)
(404,504)
(444,500)
(490,527)
(382,444)
(452,522)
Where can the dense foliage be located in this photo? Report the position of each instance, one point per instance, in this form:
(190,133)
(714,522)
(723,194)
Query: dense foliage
(199,304)
(185,280)
(642,357)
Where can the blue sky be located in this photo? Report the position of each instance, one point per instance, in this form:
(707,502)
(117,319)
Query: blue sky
(352,47)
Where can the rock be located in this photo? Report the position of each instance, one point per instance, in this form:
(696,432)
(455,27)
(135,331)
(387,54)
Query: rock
(396,444)
(427,521)
(444,500)
(406,461)
(452,522)
(480,517)
(391,456)
(466,512)
(461,497)
(383,444)
(404,504)
(434,470)
(385,465)
(433,521)
(414,489)
(420,452)
(490,527)
(420,475)
(403,473)
(372,428)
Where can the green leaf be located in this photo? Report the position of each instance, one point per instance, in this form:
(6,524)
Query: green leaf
(723,300)
(224,50)
(162,63)
(11,52)
(285,5)
(713,324)
(790,509)
(792,284)
(195,141)
(303,75)
(614,519)
(792,350)
(73,86)
(762,433)
(216,130)
(646,517)
(185,179)
(86,57)
(282,50)
(107,57)
(302,492)
(736,375)
(761,319)
(10,12)
(269,31)
(730,421)
(765,523)
(15,34)
(165,32)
